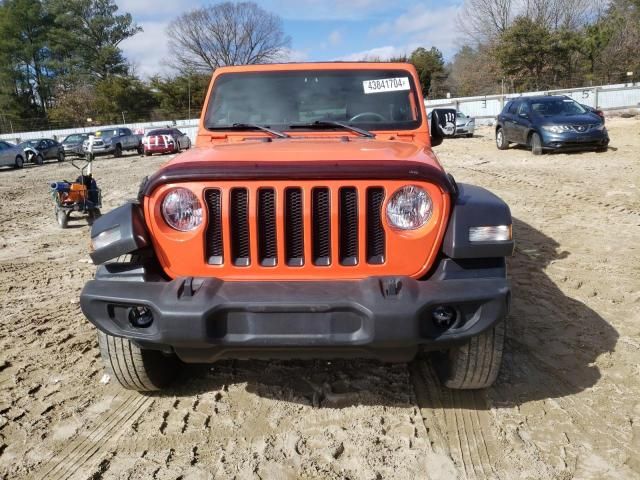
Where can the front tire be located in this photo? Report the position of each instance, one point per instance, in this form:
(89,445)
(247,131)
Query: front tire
(134,368)
(39,160)
(475,364)
(60,157)
(501,140)
(19,163)
(117,152)
(536,144)
(62,217)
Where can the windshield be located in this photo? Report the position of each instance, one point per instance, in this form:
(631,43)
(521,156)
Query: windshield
(557,106)
(75,138)
(105,133)
(369,99)
(30,143)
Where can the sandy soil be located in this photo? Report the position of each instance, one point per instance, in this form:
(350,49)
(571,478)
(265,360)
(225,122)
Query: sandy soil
(567,404)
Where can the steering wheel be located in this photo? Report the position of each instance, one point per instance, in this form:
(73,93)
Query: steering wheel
(359,116)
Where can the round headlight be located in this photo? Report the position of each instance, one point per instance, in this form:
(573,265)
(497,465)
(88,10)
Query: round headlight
(182,210)
(410,207)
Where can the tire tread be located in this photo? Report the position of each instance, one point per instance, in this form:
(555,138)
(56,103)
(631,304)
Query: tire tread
(134,368)
(476,364)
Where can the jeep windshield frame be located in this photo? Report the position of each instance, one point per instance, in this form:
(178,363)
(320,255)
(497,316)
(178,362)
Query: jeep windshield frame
(282,98)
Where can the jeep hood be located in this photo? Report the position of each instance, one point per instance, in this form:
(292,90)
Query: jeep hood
(303,149)
(293,159)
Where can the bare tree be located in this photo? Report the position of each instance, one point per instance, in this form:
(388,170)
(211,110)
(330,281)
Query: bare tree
(485,20)
(226,34)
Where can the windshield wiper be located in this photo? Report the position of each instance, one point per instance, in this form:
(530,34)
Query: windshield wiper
(254,126)
(333,123)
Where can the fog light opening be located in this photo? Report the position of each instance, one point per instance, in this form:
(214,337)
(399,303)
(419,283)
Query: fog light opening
(140,317)
(443,317)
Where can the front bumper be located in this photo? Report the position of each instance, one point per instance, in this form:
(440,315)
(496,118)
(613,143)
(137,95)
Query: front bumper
(73,150)
(203,320)
(574,140)
(101,149)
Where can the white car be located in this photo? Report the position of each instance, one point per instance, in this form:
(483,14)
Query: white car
(465,125)
(11,155)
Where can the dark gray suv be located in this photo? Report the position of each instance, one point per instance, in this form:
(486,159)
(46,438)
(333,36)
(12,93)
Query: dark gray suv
(547,123)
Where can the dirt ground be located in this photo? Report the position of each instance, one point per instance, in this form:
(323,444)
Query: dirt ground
(566,405)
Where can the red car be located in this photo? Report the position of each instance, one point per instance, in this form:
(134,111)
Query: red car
(165,140)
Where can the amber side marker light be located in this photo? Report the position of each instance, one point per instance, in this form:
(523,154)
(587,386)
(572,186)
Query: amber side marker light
(496,233)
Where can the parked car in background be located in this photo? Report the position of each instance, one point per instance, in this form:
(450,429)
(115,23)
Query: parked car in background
(165,140)
(548,123)
(597,111)
(465,125)
(41,149)
(11,155)
(73,144)
(114,141)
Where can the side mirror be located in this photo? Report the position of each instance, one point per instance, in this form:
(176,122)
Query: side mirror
(443,124)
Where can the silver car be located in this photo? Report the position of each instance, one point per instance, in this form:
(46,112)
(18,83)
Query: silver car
(11,155)
(465,125)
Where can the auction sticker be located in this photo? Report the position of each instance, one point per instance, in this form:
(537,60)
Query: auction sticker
(386,85)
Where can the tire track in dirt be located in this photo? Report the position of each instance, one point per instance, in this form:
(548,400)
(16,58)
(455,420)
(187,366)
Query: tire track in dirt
(572,406)
(574,196)
(457,423)
(89,448)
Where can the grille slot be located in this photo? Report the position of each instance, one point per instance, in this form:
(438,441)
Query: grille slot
(348,212)
(267,237)
(376,241)
(321,222)
(294,227)
(213,245)
(239,227)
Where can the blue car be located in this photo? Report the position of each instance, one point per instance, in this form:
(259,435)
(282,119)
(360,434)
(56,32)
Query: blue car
(550,123)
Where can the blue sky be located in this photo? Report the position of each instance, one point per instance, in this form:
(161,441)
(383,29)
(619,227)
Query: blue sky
(319,29)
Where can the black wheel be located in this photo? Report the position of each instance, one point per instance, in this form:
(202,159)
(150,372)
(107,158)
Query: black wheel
(469,135)
(147,154)
(62,217)
(134,368)
(188,144)
(61,156)
(140,149)
(601,149)
(118,151)
(536,144)
(19,163)
(39,160)
(501,140)
(475,364)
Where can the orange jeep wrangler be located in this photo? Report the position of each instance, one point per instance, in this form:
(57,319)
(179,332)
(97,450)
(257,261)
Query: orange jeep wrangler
(313,220)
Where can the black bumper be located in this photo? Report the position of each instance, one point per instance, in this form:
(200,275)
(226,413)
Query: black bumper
(202,320)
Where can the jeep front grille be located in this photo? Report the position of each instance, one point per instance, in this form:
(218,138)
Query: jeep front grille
(312,218)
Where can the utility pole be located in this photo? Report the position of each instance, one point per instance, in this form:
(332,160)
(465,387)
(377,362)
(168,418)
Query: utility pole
(189,91)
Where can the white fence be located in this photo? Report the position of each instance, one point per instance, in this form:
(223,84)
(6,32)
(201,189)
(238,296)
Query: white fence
(189,127)
(486,108)
(606,97)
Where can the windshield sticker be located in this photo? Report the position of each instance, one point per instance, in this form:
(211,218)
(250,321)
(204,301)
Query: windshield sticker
(386,85)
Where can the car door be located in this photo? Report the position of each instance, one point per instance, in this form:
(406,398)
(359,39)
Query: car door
(179,136)
(127,141)
(52,149)
(510,121)
(522,124)
(4,154)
